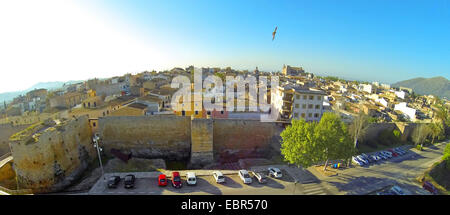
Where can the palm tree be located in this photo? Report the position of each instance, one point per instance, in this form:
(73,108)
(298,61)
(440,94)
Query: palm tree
(436,130)
(442,114)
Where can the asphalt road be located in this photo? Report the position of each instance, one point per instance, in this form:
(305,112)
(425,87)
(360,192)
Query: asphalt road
(401,171)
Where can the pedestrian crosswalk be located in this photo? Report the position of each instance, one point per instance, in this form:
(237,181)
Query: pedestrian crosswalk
(313,189)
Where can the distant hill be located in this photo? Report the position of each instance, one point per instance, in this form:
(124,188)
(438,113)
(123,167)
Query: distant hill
(438,86)
(9,96)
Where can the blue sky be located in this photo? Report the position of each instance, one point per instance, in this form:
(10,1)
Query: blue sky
(368,40)
(385,41)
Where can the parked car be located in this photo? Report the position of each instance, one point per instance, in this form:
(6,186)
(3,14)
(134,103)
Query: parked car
(162,180)
(369,158)
(190,178)
(383,156)
(375,157)
(362,159)
(261,177)
(397,190)
(430,187)
(393,152)
(218,176)
(357,161)
(113,181)
(129,181)
(275,172)
(245,177)
(176,180)
(399,151)
(387,154)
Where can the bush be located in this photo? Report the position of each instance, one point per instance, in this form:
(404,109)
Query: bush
(396,134)
(419,147)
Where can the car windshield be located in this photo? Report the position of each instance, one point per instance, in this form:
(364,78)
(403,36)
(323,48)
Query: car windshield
(279,173)
(191,179)
(112,178)
(162,180)
(220,177)
(128,178)
(177,179)
(246,176)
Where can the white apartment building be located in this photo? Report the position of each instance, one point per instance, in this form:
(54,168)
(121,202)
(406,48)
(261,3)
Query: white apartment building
(294,102)
(407,111)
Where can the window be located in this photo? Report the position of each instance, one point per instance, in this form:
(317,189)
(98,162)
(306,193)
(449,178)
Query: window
(305,97)
(311,97)
(295,114)
(309,114)
(209,112)
(297,96)
(94,124)
(183,113)
(297,105)
(221,112)
(316,115)
(310,106)
(304,106)
(317,106)
(303,115)
(319,97)
(196,112)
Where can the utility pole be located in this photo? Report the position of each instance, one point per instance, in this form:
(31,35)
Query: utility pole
(295,186)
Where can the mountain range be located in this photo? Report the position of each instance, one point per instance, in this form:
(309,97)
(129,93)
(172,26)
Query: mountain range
(9,96)
(438,86)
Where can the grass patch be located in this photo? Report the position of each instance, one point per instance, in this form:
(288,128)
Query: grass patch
(26,132)
(439,176)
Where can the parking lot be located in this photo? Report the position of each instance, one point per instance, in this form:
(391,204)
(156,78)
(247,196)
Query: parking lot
(206,185)
(360,180)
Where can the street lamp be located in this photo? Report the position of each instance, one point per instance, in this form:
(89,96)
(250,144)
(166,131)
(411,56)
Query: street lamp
(295,186)
(97,146)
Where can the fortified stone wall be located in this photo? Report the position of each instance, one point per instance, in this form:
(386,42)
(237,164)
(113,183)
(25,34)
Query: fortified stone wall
(237,138)
(376,128)
(180,138)
(57,159)
(6,130)
(156,136)
(202,142)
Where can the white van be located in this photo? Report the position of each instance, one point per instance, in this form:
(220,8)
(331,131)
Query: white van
(190,178)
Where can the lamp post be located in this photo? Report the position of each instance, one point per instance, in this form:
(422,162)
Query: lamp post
(295,186)
(97,146)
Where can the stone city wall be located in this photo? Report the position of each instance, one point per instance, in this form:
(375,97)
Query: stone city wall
(56,159)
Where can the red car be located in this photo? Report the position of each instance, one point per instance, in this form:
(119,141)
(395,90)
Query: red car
(393,152)
(430,187)
(176,180)
(162,180)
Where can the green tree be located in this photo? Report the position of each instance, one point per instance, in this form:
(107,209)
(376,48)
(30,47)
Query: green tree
(359,126)
(300,143)
(334,139)
(420,134)
(307,143)
(446,156)
(436,130)
(442,114)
